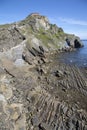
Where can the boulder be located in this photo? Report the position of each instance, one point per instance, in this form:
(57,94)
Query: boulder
(78,43)
(74,42)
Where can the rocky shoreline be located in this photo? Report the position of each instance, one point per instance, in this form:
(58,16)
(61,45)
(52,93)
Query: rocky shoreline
(38,92)
(46,96)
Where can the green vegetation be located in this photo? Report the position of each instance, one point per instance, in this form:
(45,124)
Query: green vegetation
(50,38)
(44,38)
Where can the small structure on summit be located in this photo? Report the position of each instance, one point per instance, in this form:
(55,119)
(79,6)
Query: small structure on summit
(34,14)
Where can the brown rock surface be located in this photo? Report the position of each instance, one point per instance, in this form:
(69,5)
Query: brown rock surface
(52,100)
(37,92)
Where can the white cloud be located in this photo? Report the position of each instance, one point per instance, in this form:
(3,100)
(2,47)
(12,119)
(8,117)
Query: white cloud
(73,21)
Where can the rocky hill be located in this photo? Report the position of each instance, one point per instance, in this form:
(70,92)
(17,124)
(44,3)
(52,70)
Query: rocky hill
(37,92)
(38,31)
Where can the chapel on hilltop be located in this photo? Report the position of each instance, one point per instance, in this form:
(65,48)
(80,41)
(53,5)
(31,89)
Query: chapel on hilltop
(34,14)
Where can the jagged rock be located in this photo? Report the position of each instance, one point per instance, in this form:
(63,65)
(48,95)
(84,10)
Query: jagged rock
(36,52)
(77,43)
(41,49)
(11,116)
(35,121)
(37,92)
(74,42)
(40,70)
(11,36)
(44,126)
(26,58)
(59,73)
(38,21)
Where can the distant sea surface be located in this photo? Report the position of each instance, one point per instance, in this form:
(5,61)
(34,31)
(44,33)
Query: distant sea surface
(78,57)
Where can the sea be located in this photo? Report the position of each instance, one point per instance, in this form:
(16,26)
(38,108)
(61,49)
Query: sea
(78,57)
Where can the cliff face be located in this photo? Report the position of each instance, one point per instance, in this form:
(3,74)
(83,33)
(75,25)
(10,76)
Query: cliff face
(36,91)
(39,31)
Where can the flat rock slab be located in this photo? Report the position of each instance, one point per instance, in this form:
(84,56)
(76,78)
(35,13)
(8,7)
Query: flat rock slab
(10,67)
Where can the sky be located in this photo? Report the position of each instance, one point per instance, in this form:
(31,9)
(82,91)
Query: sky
(71,15)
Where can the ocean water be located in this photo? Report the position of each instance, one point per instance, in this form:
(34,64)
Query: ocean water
(78,57)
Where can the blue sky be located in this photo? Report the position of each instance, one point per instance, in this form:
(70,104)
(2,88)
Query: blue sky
(71,15)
